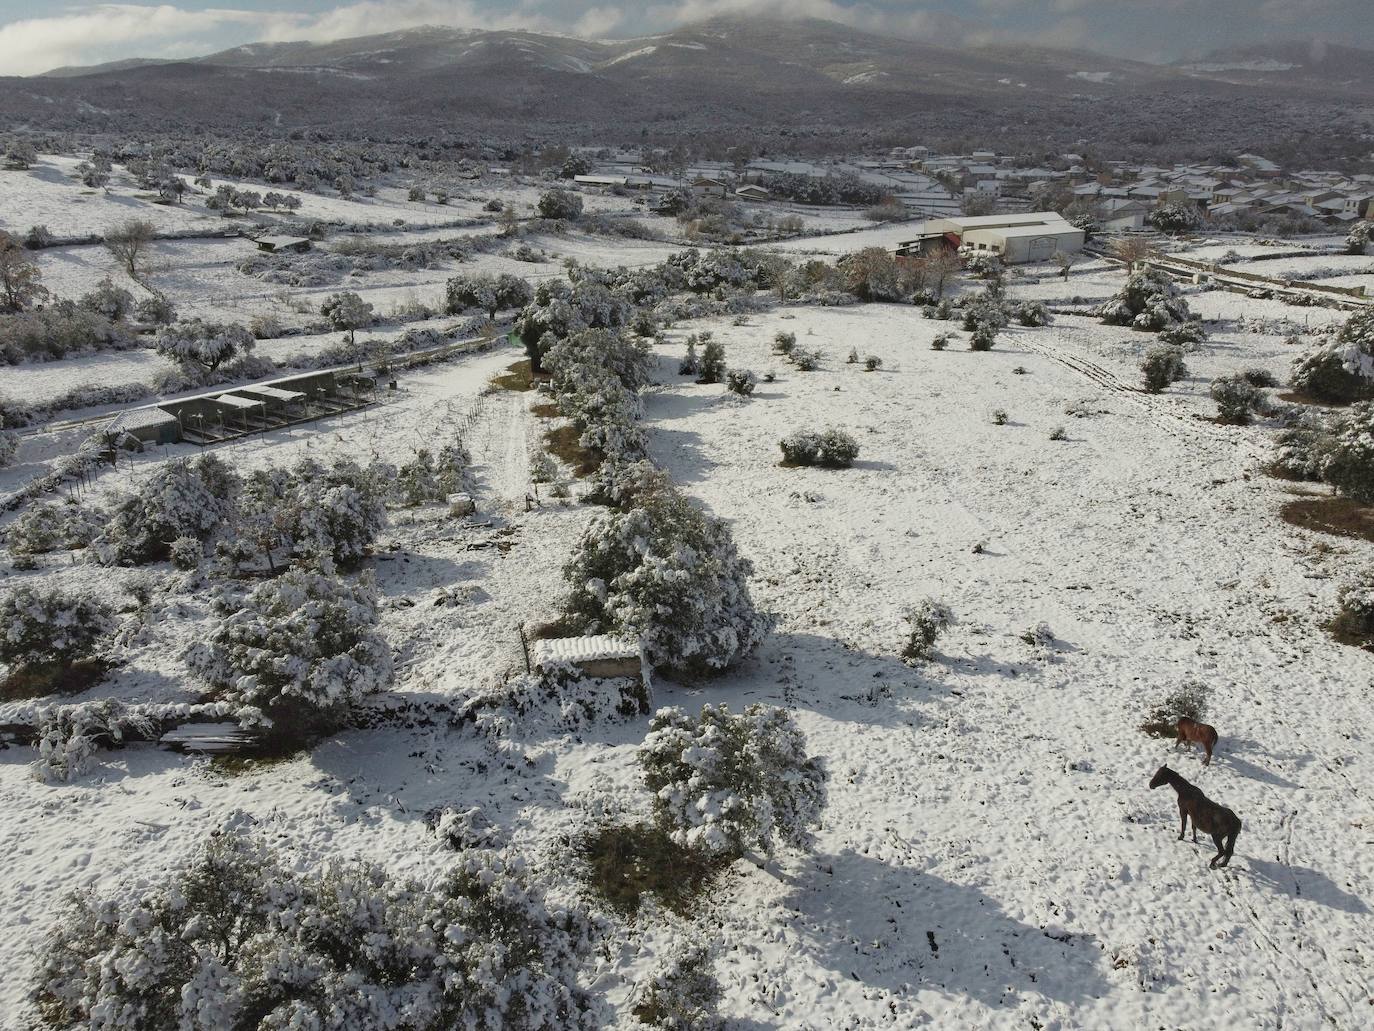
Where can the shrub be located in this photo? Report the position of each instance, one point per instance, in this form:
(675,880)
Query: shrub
(805,359)
(48,526)
(156,310)
(999,417)
(561,204)
(296,655)
(186,553)
(1354,622)
(1181,334)
(726,784)
(928,621)
(1162,366)
(1189,699)
(681,992)
(1030,313)
(180,499)
(1322,374)
(831,449)
(1237,400)
(1349,454)
(741,381)
(666,572)
(240,936)
(712,368)
(1059,433)
(873,363)
(113,302)
(50,627)
(1149,300)
(691,361)
(784,342)
(941,341)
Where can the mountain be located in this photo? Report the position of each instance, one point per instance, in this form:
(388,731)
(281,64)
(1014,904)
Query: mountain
(1308,64)
(772,79)
(72,71)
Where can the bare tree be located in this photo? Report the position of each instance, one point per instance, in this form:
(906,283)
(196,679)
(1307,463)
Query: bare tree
(940,267)
(1065,262)
(1132,250)
(128,242)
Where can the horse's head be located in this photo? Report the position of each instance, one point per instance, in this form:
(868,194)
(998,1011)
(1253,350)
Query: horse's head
(1161,777)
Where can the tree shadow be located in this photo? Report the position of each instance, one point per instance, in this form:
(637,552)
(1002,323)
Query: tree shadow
(1305,883)
(680,452)
(887,927)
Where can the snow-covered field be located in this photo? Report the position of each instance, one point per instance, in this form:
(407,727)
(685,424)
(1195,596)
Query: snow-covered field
(990,855)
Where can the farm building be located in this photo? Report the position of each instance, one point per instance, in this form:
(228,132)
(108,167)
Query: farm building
(704,187)
(1031,236)
(752,191)
(146,425)
(273,244)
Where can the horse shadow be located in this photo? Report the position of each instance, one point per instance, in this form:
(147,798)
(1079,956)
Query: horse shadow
(894,927)
(1229,751)
(1306,884)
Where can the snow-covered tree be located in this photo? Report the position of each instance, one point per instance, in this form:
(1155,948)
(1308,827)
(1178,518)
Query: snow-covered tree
(560,204)
(1358,240)
(928,621)
(347,311)
(242,937)
(20,280)
(830,449)
(627,358)
(1341,366)
(727,783)
(297,654)
(1349,465)
(741,381)
(1148,300)
(39,626)
(113,302)
(156,310)
(711,368)
(180,499)
(205,344)
(19,155)
(1175,218)
(871,274)
(487,293)
(129,241)
(1237,399)
(666,572)
(335,513)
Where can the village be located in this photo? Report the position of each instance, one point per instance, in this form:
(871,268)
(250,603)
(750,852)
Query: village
(784,579)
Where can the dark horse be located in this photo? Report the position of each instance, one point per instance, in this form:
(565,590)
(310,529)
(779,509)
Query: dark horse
(1216,820)
(1203,734)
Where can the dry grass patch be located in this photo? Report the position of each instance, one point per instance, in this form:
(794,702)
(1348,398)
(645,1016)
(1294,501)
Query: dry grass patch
(517,377)
(53,678)
(1338,516)
(563,443)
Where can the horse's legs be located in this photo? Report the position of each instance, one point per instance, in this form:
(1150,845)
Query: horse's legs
(1221,850)
(1208,745)
(1182,822)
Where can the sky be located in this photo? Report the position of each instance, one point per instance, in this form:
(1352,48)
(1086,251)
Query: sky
(37,35)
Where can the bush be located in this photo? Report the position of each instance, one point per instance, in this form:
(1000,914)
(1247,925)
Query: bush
(941,341)
(784,342)
(664,571)
(244,937)
(712,368)
(1237,400)
(805,359)
(43,627)
(296,655)
(1349,454)
(999,417)
(48,526)
(180,499)
(113,302)
(832,449)
(1030,313)
(561,204)
(873,363)
(1059,433)
(1189,699)
(1162,366)
(1354,622)
(1149,300)
(741,381)
(725,784)
(928,621)
(1257,377)
(681,992)
(691,361)
(156,310)
(1180,334)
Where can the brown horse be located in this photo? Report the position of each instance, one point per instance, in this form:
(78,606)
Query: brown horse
(1203,734)
(1216,820)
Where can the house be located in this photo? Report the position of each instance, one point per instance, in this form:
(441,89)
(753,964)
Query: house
(1016,238)
(273,244)
(704,187)
(752,191)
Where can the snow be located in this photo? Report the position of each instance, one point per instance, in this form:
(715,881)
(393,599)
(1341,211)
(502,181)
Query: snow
(990,855)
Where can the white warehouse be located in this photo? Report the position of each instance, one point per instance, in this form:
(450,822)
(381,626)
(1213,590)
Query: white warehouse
(1031,236)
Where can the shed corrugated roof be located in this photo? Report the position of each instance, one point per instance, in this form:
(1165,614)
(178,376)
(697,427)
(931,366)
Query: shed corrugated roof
(141,418)
(585,649)
(235,401)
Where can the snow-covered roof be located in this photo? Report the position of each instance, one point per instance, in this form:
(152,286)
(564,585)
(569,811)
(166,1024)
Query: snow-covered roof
(141,418)
(585,649)
(282,241)
(274,394)
(236,401)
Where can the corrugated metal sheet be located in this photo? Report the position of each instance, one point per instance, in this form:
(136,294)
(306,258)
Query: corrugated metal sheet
(585,649)
(141,418)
